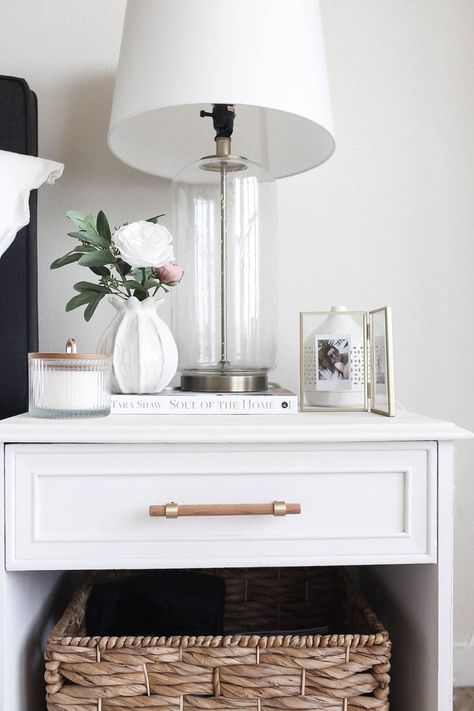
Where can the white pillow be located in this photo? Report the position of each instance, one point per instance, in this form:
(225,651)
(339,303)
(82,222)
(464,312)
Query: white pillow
(18,175)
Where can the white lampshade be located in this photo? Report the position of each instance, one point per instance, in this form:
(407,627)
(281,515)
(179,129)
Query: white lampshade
(179,56)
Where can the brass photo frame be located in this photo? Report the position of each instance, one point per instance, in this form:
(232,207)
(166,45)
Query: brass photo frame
(382,395)
(347,370)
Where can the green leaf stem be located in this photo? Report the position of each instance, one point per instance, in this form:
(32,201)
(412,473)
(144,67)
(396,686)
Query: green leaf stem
(100,271)
(83,248)
(103,227)
(90,286)
(89,310)
(94,239)
(98,258)
(77,217)
(133,284)
(68,258)
(151,283)
(80,300)
(83,221)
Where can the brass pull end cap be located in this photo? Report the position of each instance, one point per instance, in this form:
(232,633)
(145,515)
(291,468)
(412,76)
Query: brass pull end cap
(279,508)
(171,510)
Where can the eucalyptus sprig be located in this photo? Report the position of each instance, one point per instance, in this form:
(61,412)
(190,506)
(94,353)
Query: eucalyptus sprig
(96,251)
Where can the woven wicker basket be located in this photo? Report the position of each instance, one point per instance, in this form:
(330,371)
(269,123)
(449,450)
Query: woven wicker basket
(347,670)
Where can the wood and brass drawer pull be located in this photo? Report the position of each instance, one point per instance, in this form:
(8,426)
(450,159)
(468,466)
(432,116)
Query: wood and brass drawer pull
(276,508)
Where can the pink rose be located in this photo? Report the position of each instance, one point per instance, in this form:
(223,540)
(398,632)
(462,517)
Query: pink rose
(169,274)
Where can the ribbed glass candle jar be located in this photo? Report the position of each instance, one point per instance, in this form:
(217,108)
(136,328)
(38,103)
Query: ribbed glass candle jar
(63,385)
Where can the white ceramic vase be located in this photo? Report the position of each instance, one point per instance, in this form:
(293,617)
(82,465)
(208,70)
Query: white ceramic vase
(144,350)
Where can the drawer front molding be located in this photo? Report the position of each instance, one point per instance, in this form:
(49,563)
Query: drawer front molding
(78,506)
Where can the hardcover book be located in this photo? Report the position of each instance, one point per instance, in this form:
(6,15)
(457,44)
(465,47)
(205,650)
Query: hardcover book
(275,401)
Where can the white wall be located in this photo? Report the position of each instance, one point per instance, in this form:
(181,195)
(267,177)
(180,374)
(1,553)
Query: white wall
(389,219)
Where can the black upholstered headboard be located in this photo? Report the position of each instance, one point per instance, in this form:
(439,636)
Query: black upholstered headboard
(18,270)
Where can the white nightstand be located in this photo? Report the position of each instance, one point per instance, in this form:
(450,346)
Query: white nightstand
(375,492)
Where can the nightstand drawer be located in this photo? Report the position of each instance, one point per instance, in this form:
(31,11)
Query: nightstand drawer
(87,506)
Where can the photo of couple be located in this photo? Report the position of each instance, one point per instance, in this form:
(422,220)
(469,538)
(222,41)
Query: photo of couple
(334,361)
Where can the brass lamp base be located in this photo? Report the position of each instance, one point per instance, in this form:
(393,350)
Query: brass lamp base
(242,381)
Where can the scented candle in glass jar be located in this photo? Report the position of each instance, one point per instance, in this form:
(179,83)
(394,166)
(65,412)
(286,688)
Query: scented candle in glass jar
(70,384)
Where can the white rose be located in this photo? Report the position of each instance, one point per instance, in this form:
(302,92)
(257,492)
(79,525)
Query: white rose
(144,244)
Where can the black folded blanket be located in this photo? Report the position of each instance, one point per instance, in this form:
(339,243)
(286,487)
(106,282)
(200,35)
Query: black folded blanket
(162,603)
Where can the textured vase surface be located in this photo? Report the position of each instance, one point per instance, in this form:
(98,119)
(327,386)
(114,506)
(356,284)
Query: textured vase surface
(145,353)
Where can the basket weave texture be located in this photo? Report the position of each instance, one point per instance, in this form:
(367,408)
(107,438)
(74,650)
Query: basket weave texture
(347,670)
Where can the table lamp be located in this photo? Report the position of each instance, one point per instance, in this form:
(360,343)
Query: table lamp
(254,75)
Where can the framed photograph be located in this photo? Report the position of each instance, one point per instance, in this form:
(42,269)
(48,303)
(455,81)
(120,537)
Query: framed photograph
(333,356)
(346,361)
(333,361)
